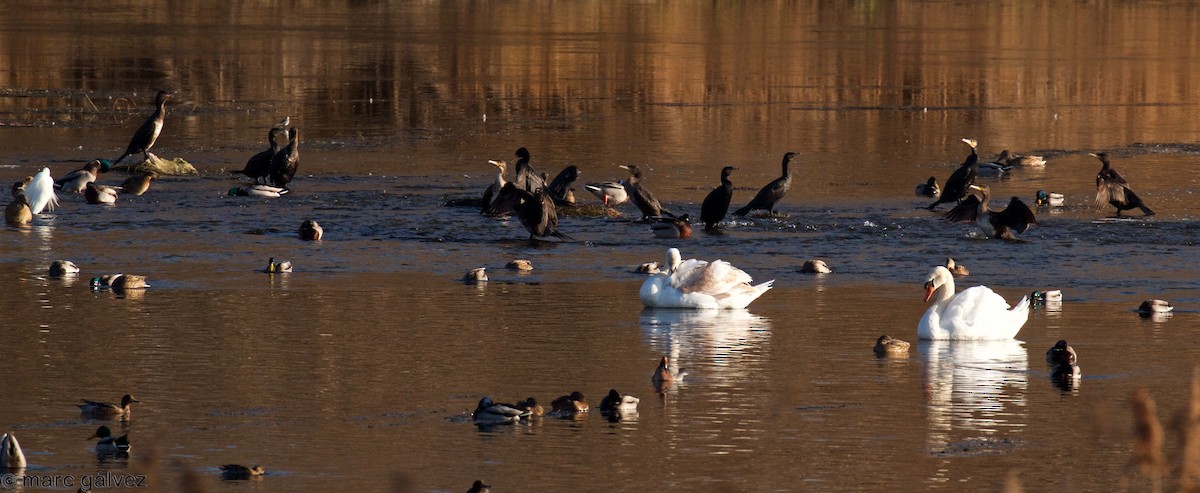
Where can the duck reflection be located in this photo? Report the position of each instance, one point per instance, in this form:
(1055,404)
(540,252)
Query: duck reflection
(974,386)
(734,340)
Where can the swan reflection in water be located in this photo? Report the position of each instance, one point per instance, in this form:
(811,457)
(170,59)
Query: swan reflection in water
(734,340)
(976,388)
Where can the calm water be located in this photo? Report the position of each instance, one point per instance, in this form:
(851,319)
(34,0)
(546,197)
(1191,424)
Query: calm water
(356,372)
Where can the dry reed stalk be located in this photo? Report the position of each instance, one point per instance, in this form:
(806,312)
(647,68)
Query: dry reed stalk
(1147,447)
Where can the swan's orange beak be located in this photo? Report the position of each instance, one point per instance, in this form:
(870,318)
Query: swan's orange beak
(929,291)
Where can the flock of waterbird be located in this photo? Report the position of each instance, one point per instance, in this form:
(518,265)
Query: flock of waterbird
(976,313)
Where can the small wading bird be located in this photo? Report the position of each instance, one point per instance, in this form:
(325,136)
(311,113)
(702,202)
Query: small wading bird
(1003,224)
(771,194)
(285,163)
(640,195)
(1112,188)
(146,134)
(716,204)
(963,177)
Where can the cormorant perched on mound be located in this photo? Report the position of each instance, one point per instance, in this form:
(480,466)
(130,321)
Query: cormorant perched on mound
(561,183)
(773,192)
(146,134)
(716,204)
(930,188)
(1111,187)
(284,164)
(535,211)
(1003,224)
(259,165)
(528,179)
(957,185)
(640,196)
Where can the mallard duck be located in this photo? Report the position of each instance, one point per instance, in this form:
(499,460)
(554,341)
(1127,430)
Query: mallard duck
(615,403)
(40,192)
(976,313)
(956,268)
(815,266)
(100,194)
(993,169)
(476,275)
(265,191)
(311,231)
(530,404)
(886,346)
(519,264)
(479,487)
(285,163)
(963,177)
(1048,296)
(109,443)
(664,373)
(18,213)
(1044,199)
(11,455)
(611,193)
(647,268)
(76,181)
(569,405)
(147,134)
(235,472)
(700,284)
(773,192)
(1112,188)
(96,409)
(491,413)
(641,197)
(60,268)
(1015,160)
(137,184)
(679,228)
(119,282)
(1155,306)
(1004,224)
(277,267)
(1061,354)
(929,189)
(716,203)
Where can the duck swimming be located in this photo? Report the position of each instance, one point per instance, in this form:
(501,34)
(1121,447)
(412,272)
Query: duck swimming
(263,191)
(138,184)
(96,409)
(569,405)
(519,264)
(100,194)
(234,472)
(1112,188)
(479,487)
(976,313)
(491,413)
(311,231)
(76,181)
(60,268)
(1155,306)
(273,267)
(664,374)
(476,275)
(886,346)
(815,266)
(676,228)
(963,177)
(1043,199)
(119,282)
(1014,160)
(11,456)
(773,192)
(615,404)
(531,405)
(956,268)
(109,443)
(18,213)
(929,189)
(1061,353)
(700,284)
(1004,224)
(716,203)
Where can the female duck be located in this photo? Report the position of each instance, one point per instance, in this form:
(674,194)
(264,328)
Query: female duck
(977,313)
(94,409)
(700,284)
(886,346)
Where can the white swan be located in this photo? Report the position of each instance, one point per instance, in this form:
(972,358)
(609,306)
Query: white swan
(977,313)
(700,284)
(40,192)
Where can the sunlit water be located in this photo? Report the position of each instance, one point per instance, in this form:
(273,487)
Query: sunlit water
(357,371)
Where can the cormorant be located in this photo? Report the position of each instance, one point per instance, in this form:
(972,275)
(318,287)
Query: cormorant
(489,195)
(528,179)
(1003,224)
(640,196)
(1111,187)
(259,165)
(535,211)
(284,164)
(146,134)
(773,192)
(963,177)
(716,204)
(561,184)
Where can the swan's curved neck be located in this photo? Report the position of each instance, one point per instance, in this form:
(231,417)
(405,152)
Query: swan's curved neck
(945,291)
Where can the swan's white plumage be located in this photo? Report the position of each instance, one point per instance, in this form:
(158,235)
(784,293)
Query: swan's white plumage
(40,192)
(700,284)
(976,313)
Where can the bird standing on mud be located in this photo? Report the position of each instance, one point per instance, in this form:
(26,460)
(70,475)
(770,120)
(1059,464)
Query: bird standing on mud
(146,134)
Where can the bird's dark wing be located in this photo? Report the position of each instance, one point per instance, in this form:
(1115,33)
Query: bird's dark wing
(1017,216)
(966,211)
(507,201)
(558,186)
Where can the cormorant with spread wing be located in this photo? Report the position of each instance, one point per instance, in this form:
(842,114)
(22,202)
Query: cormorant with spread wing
(535,211)
(1003,224)
(957,186)
(1111,187)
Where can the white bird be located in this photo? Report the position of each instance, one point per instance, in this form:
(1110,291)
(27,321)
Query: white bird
(610,192)
(977,313)
(1155,306)
(616,403)
(11,456)
(40,192)
(700,284)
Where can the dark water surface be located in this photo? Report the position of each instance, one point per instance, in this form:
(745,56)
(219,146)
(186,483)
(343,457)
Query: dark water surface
(355,373)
